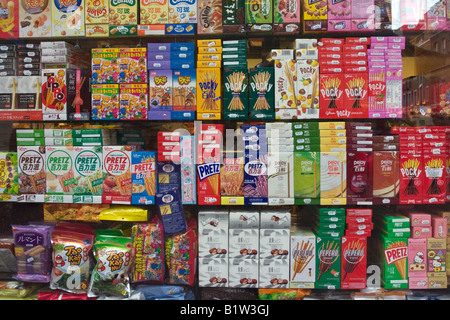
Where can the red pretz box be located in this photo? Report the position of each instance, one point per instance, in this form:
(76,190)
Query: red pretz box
(353,262)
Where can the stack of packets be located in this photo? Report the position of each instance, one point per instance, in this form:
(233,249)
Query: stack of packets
(328,222)
(235,79)
(209,154)
(168,165)
(360,148)
(274,248)
(243,244)
(213,248)
(354,248)
(423,154)
(261,99)
(255,164)
(393,233)
(119,85)
(209,79)
(280,163)
(385,77)
(184,83)
(427,251)
(169,146)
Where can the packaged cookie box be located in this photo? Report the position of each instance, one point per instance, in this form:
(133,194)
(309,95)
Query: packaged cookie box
(123,12)
(67,18)
(105,102)
(96,12)
(210,19)
(182,11)
(105,65)
(133,101)
(154,12)
(132,65)
(20,98)
(9,21)
(35,19)
(9,185)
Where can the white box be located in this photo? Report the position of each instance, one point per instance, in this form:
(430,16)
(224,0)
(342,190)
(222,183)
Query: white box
(243,244)
(302,257)
(273,273)
(213,273)
(244,219)
(213,234)
(275,219)
(243,273)
(274,244)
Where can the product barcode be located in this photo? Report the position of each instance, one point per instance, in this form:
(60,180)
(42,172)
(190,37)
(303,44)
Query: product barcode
(310,52)
(303,46)
(285,52)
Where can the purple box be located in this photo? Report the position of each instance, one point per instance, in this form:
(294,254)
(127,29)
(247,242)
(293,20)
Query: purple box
(158,65)
(158,47)
(159,115)
(396,39)
(362,9)
(374,40)
(158,56)
(396,46)
(376,52)
(393,52)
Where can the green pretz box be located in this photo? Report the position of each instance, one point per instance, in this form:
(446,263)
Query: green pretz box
(261,94)
(307,177)
(394,261)
(328,262)
(235,93)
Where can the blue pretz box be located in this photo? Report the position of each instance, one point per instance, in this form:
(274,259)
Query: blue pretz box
(143,177)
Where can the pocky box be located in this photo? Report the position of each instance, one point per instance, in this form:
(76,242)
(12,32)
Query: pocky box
(160,92)
(332,96)
(280,177)
(154,12)
(307,177)
(235,93)
(67,18)
(386,177)
(377,93)
(54,94)
(133,101)
(353,262)
(333,177)
(285,73)
(360,176)
(356,94)
(59,169)
(143,177)
(411,178)
(261,93)
(307,89)
(184,84)
(105,101)
(209,93)
(434,178)
(117,181)
(133,65)
(88,173)
(35,19)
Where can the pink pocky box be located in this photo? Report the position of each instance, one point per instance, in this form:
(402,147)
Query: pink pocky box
(339,9)
(419,219)
(377,93)
(439,227)
(417,257)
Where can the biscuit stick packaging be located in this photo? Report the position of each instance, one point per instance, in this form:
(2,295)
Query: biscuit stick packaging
(394,253)
(59,170)
(209,93)
(328,262)
(307,177)
(303,255)
(184,86)
(333,177)
(117,183)
(78,97)
(54,93)
(353,262)
(67,18)
(261,93)
(9,21)
(143,171)
(31,170)
(171,211)
(35,19)
(232,179)
(188,172)
(88,174)
(386,177)
(307,88)
(235,95)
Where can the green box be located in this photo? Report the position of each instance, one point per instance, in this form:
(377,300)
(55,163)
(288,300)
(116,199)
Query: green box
(305,126)
(87,133)
(123,30)
(307,177)
(332,211)
(261,94)
(232,11)
(306,140)
(307,148)
(30,133)
(258,11)
(394,261)
(241,43)
(306,133)
(328,261)
(79,141)
(31,141)
(235,93)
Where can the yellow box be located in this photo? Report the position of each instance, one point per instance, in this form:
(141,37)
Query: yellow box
(209,64)
(96,11)
(209,57)
(333,125)
(209,92)
(68,19)
(154,11)
(97,30)
(239,201)
(209,116)
(209,50)
(333,140)
(315,10)
(209,43)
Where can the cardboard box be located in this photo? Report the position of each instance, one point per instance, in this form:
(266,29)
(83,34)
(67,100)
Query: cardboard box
(394,251)
(209,91)
(42,27)
(117,182)
(143,175)
(154,12)
(123,12)
(261,93)
(160,92)
(210,19)
(184,85)
(354,262)
(303,265)
(68,20)
(133,101)
(307,89)
(105,101)
(235,95)
(87,163)
(96,13)
(182,12)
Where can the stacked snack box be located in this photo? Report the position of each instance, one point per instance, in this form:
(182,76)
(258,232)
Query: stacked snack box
(160,81)
(360,148)
(315,15)
(184,81)
(285,74)
(333,160)
(393,233)
(274,248)
(328,262)
(390,73)
(261,93)
(96,18)
(280,163)
(255,164)
(286,17)
(307,83)
(354,248)
(210,53)
(328,222)
(60,175)
(209,154)
(363,13)
(306,162)
(302,258)
(68,19)
(209,81)
(169,146)
(243,242)
(339,16)
(213,231)
(9,21)
(259,16)
(210,17)
(168,166)
(188,172)
(117,181)
(234,53)
(143,175)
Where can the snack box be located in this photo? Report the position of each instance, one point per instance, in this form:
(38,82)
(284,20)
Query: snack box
(96,13)
(210,17)
(213,231)
(213,273)
(209,93)
(436,256)
(117,181)
(143,177)
(68,19)
(42,26)
(160,92)
(261,93)
(54,94)
(243,273)
(285,72)
(9,184)
(394,262)
(105,102)
(353,262)
(88,173)
(171,211)
(255,178)
(333,178)
(417,254)
(302,252)
(270,269)
(153,12)
(59,169)
(133,101)
(168,174)
(184,86)
(188,172)
(235,93)
(105,65)
(328,262)
(122,13)
(133,65)
(307,85)
(332,96)
(183,12)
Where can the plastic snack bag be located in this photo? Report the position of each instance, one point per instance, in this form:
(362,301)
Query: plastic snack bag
(148,244)
(110,276)
(71,260)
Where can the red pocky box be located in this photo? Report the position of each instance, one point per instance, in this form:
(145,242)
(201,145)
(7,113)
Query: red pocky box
(332,96)
(434,178)
(353,262)
(411,176)
(356,90)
